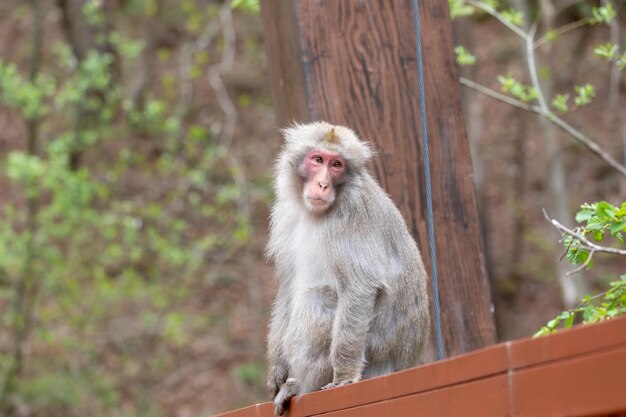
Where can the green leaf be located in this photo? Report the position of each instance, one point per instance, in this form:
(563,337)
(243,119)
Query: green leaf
(615,228)
(595,223)
(621,61)
(590,314)
(606,210)
(92,10)
(583,215)
(553,323)
(173,329)
(584,94)
(608,51)
(560,103)
(463,57)
(515,88)
(250,6)
(127,45)
(514,16)
(24,167)
(581,257)
(603,14)
(551,35)
(459,8)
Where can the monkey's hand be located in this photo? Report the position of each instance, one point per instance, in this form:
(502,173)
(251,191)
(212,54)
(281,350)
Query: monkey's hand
(336,384)
(276,377)
(287,391)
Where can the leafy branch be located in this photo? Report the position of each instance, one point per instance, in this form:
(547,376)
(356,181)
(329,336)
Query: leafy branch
(577,135)
(598,220)
(553,34)
(523,96)
(502,18)
(588,311)
(580,249)
(604,14)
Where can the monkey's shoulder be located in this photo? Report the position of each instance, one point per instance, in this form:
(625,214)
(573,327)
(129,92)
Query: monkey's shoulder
(370,205)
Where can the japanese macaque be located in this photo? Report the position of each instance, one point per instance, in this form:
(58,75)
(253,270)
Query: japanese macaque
(352,301)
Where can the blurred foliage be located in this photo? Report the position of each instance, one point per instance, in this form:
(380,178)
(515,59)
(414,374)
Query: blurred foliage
(463,57)
(252,6)
(524,93)
(540,29)
(599,221)
(137,200)
(592,309)
(514,20)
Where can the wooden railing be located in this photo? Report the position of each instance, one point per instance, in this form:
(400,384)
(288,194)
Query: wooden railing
(579,372)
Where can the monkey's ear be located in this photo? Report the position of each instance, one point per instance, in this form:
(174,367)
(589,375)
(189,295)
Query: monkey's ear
(292,132)
(355,149)
(299,137)
(363,150)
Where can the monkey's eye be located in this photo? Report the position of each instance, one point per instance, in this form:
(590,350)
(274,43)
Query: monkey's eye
(337,164)
(318,159)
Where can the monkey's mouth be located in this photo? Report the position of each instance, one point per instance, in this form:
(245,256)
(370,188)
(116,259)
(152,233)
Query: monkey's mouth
(317,202)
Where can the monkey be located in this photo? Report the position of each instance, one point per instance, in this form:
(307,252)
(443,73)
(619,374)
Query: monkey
(352,299)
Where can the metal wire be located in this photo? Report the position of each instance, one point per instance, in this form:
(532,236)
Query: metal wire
(429,197)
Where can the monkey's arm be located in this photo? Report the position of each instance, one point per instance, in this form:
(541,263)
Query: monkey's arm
(278,369)
(355,311)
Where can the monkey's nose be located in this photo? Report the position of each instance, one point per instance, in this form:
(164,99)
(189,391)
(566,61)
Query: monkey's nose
(323,185)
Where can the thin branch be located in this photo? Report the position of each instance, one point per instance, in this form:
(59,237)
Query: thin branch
(188,50)
(616,73)
(586,243)
(493,12)
(566,4)
(588,143)
(572,131)
(532,68)
(214,76)
(559,31)
(185,86)
(582,266)
(499,96)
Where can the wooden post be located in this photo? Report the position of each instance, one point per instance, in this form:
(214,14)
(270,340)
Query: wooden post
(353,62)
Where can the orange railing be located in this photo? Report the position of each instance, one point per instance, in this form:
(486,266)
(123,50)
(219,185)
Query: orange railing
(579,372)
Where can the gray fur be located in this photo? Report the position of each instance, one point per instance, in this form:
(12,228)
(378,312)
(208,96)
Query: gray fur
(352,300)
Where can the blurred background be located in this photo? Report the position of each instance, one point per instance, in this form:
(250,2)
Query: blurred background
(137,139)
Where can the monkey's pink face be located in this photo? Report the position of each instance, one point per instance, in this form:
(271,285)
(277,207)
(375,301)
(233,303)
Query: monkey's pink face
(322,172)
